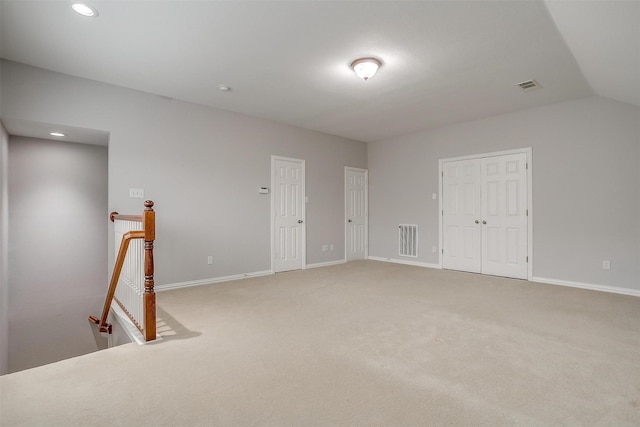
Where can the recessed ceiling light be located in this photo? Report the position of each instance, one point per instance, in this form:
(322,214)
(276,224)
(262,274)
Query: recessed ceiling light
(57,134)
(224,88)
(84,10)
(366,68)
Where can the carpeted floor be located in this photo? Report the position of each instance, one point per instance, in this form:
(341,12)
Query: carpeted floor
(363,344)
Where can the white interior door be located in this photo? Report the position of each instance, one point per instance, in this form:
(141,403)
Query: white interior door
(485,215)
(288,214)
(356,229)
(461,203)
(504,215)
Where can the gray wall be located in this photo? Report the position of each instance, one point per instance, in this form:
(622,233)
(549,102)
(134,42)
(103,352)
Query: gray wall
(201,166)
(57,249)
(4,261)
(586,186)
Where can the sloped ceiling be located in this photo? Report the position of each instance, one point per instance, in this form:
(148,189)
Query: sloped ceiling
(444,61)
(604,37)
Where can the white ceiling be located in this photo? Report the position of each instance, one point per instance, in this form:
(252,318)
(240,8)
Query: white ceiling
(444,61)
(41,130)
(604,37)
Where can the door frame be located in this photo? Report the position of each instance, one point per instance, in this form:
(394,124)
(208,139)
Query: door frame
(273,210)
(366,210)
(526,150)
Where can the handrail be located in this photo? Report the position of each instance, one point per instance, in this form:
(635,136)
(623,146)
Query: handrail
(115,215)
(149,298)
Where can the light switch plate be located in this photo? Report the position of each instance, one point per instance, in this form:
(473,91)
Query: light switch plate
(136,193)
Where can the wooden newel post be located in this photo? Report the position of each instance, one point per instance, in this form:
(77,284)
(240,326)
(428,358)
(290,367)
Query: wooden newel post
(149,218)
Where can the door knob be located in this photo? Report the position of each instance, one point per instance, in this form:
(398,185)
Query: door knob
(299,221)
(349,220)
(477,222)
(484,222)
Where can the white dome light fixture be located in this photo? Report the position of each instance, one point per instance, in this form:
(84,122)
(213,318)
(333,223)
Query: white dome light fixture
(84,10)
(365,68)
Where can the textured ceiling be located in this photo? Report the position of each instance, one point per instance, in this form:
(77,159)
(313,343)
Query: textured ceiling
(444,61)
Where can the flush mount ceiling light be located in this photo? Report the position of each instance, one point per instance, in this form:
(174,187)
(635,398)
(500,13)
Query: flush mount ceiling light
(84,9)
(224,88)
(57,134)
(365,68)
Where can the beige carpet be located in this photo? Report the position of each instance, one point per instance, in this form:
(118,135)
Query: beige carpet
(363,344)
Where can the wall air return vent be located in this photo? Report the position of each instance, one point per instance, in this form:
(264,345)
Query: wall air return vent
(529,85)
(408,240)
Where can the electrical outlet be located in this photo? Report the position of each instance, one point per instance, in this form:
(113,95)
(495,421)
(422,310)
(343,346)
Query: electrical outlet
(136,193)
(434,249)
(331,247)
(606,265)
(210,259)
(324,248)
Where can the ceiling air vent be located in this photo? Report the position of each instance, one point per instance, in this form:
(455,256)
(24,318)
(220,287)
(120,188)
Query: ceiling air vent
(529,85)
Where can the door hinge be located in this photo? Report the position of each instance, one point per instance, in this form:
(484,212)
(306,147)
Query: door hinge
(527,212)
(442,174)
(526,166)
(443,212)
(527,259)
(442,250)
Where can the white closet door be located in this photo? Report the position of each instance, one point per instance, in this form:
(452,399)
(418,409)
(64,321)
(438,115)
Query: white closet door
(504,215)
(484,215)
(461,216)
(289,232)
(356,213)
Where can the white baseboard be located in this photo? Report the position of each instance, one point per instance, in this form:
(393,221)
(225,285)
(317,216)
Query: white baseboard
(590,286)
(325,264)
(404,261)
(212,280)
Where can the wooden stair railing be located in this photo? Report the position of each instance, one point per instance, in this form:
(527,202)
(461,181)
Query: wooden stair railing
(146,325)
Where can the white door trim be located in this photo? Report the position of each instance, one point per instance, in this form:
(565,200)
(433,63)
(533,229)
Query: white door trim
(272,207)
(366,210)
(526,150)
